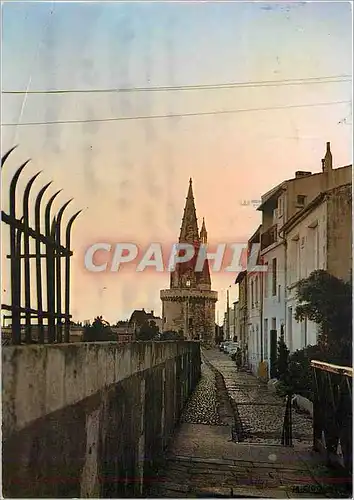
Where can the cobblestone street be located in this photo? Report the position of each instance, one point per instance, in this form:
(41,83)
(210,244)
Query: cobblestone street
(202,407)
(261,411)
(204,459)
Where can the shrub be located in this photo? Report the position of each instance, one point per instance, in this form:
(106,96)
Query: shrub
(327,301)
(99,331)
(300,371)
(282,358)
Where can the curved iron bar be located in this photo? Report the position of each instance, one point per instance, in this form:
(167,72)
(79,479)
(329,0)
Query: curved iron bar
(59,217)
(15,258)
(18,252)
(67,276)
(37,227)
(50,262)
(6,155)
(26,254)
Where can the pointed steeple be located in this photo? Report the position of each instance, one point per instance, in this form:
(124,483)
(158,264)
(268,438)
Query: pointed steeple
(203,234)
(189,229)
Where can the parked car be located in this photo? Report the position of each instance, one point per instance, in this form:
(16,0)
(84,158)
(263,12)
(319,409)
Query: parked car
(224,344)
(229,347)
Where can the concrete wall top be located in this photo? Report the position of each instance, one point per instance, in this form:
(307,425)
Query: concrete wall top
(40,379)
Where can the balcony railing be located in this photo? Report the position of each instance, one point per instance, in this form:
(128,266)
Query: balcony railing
(332,413)
(269,237)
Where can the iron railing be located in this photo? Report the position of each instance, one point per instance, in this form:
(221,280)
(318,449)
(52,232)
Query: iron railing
(333,413)
(27,319)
(287,432)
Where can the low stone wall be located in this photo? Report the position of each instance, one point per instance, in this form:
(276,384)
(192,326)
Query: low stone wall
(91,419)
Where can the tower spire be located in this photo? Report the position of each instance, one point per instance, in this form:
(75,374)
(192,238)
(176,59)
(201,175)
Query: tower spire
(189,229)
(203,233)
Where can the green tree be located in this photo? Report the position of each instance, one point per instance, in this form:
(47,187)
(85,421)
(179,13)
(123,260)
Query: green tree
(327,301)
(282,361)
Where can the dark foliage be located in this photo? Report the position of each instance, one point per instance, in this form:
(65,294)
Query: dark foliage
(327,301)
(99,331)
(148,331)
(171,335)
(282,359)
(299,369)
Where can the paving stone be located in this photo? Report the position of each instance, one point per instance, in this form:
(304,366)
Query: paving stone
(168,485)
(218,491)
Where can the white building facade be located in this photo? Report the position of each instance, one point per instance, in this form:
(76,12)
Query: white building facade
(306,238)
(274,282)
(254,307)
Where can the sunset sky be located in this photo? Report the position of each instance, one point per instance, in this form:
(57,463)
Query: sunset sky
(132,176)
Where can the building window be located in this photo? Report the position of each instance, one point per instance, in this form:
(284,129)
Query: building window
(274,276)
(274,323)
(317,248)
(252,294)
(300,200)
(313,247)
(266,338)
(265,280)
(256,291)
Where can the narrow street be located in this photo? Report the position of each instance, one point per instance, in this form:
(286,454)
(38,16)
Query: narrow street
(261,412)
(205,459)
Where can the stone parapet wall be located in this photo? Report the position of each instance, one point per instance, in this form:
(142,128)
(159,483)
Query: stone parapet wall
(91,419)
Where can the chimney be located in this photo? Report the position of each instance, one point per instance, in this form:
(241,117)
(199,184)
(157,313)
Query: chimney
(301,173)
(323,164)
(328,161)
(152,313)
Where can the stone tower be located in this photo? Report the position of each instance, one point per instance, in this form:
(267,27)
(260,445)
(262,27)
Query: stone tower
(188,306)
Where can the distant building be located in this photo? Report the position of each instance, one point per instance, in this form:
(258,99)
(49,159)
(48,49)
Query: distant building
(139,317)
(124,331)
(242,320)
(236,321)
(228,324)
